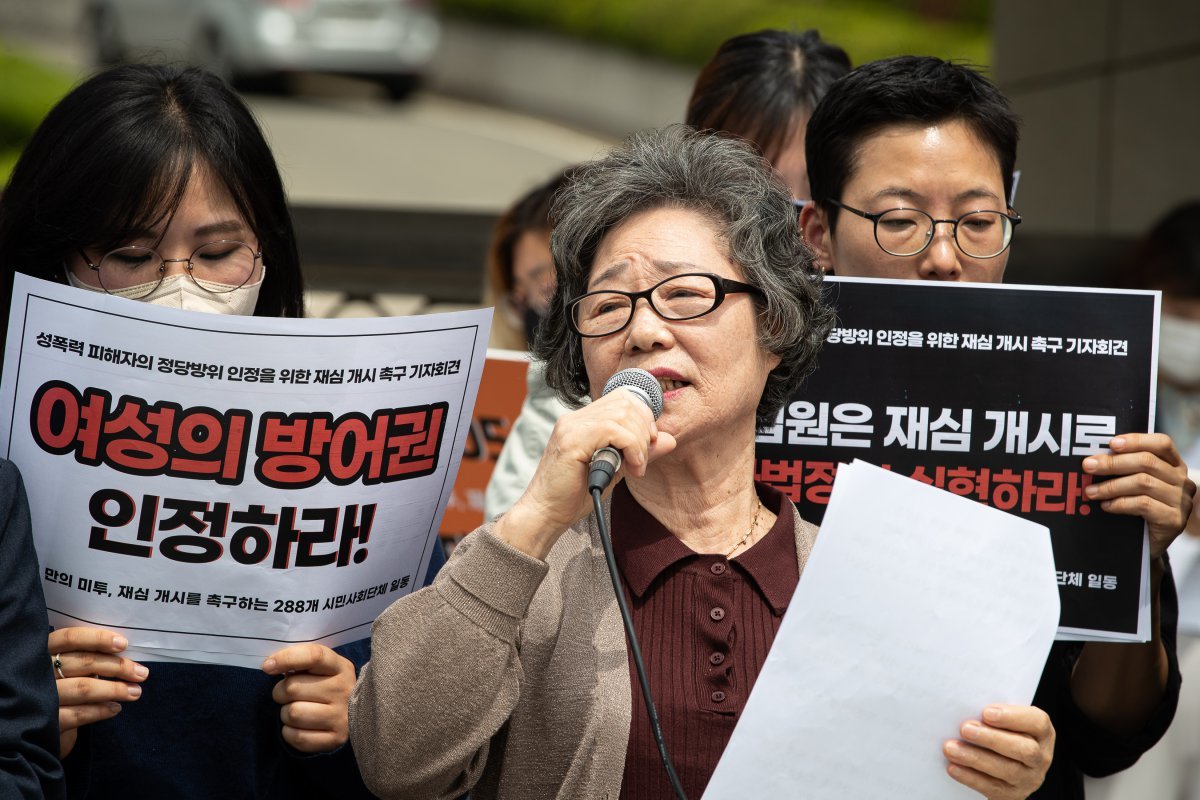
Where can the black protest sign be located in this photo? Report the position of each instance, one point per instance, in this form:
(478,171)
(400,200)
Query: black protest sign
(996,393)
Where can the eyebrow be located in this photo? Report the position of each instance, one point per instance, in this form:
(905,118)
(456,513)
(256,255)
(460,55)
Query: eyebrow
(215,228)
(663,267)
(225,226)
(917,197)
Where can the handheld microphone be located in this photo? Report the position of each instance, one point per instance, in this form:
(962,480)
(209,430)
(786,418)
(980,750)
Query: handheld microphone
(607,460)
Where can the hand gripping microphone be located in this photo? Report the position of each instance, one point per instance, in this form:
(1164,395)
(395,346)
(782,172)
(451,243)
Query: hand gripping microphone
(607,460)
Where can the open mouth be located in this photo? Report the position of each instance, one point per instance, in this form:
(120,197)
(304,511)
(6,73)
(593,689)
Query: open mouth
(668,385)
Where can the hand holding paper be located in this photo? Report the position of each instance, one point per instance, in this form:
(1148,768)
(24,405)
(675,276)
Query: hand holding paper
(1005,753)
(92,679)
(314,695)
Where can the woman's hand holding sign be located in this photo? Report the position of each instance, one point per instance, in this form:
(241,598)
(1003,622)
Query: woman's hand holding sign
(315,695)
(92,679)
(1149,480)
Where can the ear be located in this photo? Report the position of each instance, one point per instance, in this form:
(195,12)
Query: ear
(814,225)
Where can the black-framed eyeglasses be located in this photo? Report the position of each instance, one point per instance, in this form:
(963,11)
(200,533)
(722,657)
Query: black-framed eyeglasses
(908,231)
(679,297)
(223,265)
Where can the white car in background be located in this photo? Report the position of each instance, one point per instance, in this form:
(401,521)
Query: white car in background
(391,41)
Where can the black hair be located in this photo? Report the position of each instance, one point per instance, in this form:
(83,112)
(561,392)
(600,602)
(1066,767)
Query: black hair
(760,86)
(113,158)
(903,90)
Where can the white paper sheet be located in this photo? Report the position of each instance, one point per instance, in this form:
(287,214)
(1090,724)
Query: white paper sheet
(917,608)
(219,487)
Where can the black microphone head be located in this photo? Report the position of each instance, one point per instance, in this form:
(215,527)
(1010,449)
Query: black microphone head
(642,383)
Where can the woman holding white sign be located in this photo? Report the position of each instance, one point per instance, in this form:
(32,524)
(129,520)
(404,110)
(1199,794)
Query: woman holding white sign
(679,260)
(156,184)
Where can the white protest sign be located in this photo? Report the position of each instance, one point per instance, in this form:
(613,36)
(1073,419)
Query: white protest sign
(218,487)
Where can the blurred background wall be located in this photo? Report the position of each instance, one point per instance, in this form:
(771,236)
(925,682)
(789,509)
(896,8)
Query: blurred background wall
(1109,92)
(401,196)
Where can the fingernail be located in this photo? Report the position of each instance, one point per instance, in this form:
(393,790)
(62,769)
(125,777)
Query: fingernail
(268,665)
(993,714)
(113,707)
(1090,464)
(1117,443)
(140,671)
(120,642)
(135,691)
(971,730)
(1092,491)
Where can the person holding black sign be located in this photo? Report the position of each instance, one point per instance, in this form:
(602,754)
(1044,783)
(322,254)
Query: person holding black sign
(911,166)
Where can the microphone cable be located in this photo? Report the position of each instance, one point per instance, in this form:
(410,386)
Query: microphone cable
(634,648)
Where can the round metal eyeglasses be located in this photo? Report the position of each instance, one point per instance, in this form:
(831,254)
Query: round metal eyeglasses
(908,231)
(679,297)
(223,266)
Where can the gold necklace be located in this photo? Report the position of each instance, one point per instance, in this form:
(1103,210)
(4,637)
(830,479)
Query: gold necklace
(749,533)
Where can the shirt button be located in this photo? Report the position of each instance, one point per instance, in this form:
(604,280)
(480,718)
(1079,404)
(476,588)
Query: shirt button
(718,697)
(716,658)
(717,614)
(717,568)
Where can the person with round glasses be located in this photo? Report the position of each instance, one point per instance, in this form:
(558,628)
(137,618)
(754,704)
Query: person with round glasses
(511,677)
(911,164)
(909,231)
(138,273)
(154,183)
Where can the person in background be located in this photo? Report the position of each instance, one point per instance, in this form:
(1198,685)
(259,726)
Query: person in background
(910,162)
(521,281)
(1167,258)
(29,767)
(155,183)
(520,269)
(763,87)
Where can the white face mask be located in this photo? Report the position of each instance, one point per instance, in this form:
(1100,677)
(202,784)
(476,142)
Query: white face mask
(1179,350)
(179,291)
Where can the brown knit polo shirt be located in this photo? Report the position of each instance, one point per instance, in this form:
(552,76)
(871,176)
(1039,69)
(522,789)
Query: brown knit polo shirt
(705,624)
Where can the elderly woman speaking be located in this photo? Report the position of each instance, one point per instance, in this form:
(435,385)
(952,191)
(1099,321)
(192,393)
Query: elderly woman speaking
(511,676)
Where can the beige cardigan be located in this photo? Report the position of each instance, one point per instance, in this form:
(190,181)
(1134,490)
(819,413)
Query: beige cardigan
(508,677)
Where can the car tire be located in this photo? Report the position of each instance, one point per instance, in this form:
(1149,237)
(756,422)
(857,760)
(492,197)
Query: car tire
(105,37)
(399,87)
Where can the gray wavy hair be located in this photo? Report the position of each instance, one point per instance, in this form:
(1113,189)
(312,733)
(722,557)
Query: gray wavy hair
(723,179)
